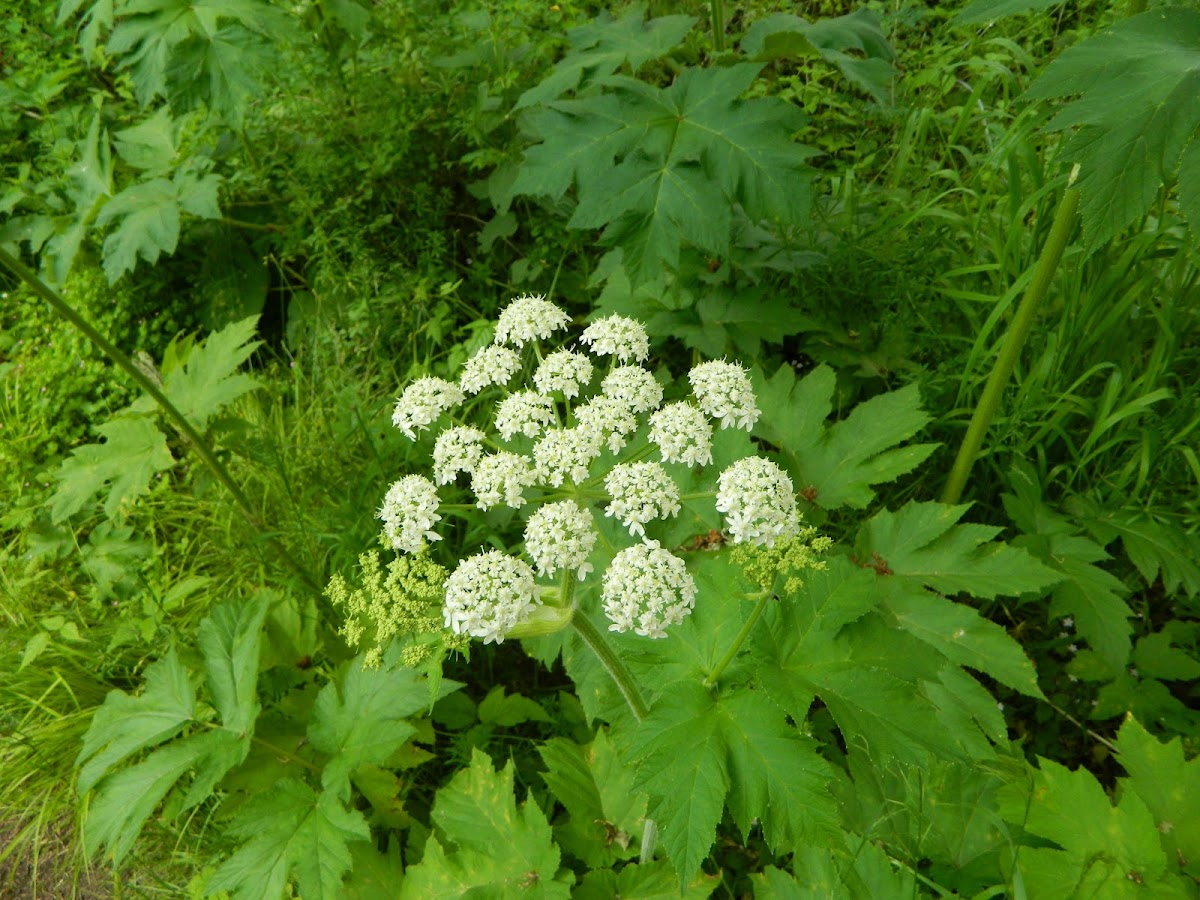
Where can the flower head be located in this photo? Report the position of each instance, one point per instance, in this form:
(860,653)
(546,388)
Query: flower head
(609,419)
(527,412)
(409,513)
(757,499)
(501,477)
(617,336)
(422,402)
(633,386)
(640,492)
(647,588)
(529,318)
(493,364)
(561,536)
(456,449)
(564,453)
(683,434)
(488,594)
(724,392)
(563,370)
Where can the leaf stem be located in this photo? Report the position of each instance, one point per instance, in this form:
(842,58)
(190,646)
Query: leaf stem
(755,614)
(718,24)
(172,412)
(1035,294)
(617,669)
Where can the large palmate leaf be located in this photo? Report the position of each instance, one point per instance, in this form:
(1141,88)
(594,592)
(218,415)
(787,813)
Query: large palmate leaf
(1136,114)
(123,466)
(483,846)
(603,46)
(836,465)
(124,726)
(661,167)
(292,833)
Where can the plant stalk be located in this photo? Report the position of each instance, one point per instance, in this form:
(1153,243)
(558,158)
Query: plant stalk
(755,614)
(718,24)
(126,365)
(617,669)
(1014,341)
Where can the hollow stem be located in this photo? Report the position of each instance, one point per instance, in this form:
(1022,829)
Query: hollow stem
(195,440)
(718,24)
(755,614)
(1014,341)
(617,669)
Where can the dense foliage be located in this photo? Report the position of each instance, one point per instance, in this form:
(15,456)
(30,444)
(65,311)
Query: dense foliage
(767,635)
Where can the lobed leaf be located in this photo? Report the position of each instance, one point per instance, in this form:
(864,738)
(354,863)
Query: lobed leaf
(133,451)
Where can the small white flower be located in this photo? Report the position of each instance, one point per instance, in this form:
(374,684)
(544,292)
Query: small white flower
(457,449)
(488,594)
(560,536)
(422,402)
(724,392)
(563,370)
(617,336)
(566,453)
(526,412)
(640,492)
(409,513)
(683,434)
(757,499)
(633,386)
(500,478)
(493,364)
(1068,622)
(529,318)
(609,419)
(647,589)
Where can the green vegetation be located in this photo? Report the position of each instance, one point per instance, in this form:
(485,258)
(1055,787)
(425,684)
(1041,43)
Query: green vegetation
(920,616)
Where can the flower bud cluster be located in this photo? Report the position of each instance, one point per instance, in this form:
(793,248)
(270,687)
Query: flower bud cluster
(544,453)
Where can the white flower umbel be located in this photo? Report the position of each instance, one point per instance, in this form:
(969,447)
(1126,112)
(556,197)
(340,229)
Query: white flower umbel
(683,434)
(757,499)
(647,589)
(617,336)
(494,364)
(527,412)
(500,478)
(489,594)
(564,453)
(633,386)
(561,536)
(409,513)
(422,402)
(724,392)
(609,419)
(641,492)
(457,449)
(563,370)
(529,318)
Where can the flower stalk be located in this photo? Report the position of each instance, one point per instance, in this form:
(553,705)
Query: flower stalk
(755,614)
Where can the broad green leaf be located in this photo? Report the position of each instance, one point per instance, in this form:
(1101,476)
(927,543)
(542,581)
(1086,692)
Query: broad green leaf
(151,145)
(836,466)
(648,881)
(855,43)
(1136,106)
(1156,547)
(123,466)
(979,11)
(123,725)
(147,214)
(922,543)
(293,834)
(364,718)
(661,167)
(1168,784)
(605,813)
(483,844)
(1091,596)
(497,708)
(603,46)
(374,875)
(229,640)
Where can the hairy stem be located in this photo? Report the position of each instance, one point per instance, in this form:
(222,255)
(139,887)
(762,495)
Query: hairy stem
(1014,341)
(617,669)
(755,614)
(195,440)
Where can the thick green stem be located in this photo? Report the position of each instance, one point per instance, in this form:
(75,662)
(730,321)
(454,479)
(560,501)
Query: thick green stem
(617,669)
(1014,341)
(755,614)
(195,440)
(718,24)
